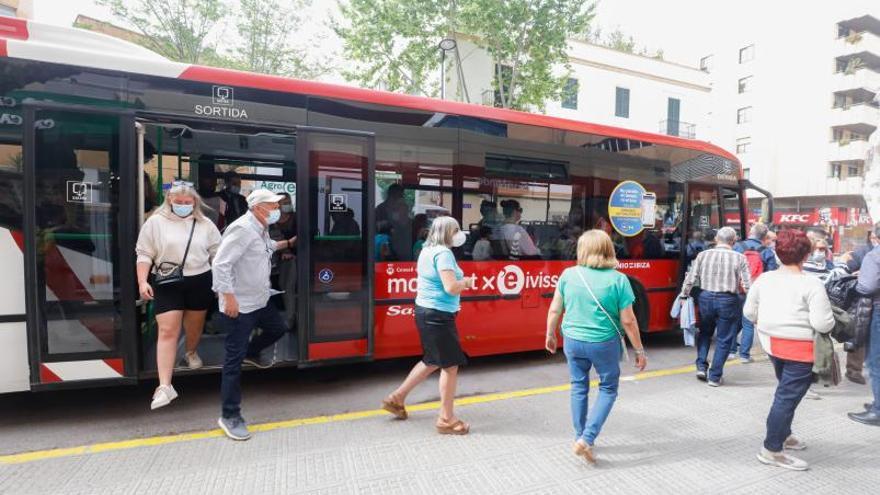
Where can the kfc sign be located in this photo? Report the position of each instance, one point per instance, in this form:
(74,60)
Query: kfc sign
(802,218)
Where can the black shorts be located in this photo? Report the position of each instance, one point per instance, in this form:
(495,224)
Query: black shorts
(440,343)
(191,294)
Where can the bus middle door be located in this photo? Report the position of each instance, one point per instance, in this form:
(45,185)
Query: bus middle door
(336,248)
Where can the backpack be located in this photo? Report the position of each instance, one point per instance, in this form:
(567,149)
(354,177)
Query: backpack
(756,263)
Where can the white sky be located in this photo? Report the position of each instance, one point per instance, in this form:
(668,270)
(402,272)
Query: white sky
(685,29)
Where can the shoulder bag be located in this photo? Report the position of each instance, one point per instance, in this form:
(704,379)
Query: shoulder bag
(624,352)
(168,273)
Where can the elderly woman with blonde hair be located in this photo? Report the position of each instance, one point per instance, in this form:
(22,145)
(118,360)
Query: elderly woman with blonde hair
(595,302)
(440,283)
(174,252)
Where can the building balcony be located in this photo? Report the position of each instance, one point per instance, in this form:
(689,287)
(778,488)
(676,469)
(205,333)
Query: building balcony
(858,42)
(678,128)
(861,118)
(863,79)
(840,187)
(844,151)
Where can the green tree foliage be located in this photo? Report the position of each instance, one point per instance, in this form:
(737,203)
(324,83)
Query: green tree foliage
(394,42)
(264,29)
(187,30)
(620,41)
(176,29)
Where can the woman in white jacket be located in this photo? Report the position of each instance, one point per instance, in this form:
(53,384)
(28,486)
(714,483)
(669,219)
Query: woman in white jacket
(162,243)
(788,307)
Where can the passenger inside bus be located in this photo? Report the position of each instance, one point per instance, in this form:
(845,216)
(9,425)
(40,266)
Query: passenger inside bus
(215,207)
(344,223)
(483,248)
(236,205)
(284,274)
(383,241)
(396,211)
(420,230)
(517,243)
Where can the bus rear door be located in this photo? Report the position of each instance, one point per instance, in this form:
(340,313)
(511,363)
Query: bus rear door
(80,226)
(337,252)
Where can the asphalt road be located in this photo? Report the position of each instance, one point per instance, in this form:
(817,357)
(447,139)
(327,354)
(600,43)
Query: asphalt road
(37,421)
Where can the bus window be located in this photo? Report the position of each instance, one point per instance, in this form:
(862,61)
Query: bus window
(732,215)
(405,206)
(704,214)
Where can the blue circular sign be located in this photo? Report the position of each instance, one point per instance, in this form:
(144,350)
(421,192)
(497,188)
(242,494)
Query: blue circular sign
(625,208)
(325,275)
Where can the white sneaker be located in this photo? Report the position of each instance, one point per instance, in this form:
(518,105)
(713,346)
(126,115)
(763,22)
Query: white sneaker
(193,361)
(163,396)
(781,459)
(812,395)
(793,443)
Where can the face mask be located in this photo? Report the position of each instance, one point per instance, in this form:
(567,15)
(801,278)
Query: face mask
(286,208)
(818,256)
(234,189)
(273,217)
(458,239)
(182,211)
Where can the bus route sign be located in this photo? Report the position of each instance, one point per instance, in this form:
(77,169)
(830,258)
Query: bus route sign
(625,208)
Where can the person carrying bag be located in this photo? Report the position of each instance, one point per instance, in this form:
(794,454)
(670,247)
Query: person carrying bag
(592,316)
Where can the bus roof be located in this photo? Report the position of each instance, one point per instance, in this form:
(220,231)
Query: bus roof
(71,46)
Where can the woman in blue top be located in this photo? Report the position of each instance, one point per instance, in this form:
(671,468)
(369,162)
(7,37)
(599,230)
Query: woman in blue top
(440,282)
(596,301)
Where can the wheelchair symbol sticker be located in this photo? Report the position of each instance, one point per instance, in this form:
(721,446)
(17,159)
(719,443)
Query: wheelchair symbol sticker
(325,275)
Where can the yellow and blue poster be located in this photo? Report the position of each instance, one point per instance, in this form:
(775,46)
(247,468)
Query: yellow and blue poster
(625,208)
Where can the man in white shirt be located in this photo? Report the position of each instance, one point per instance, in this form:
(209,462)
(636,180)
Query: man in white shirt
(241,280)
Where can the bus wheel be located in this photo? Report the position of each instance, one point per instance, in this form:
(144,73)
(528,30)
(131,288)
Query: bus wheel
(641,306)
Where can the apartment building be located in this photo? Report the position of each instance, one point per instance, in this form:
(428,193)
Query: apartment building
(796,102)
(604,86)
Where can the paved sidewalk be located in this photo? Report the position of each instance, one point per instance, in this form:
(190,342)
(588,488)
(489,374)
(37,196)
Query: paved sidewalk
(667,434)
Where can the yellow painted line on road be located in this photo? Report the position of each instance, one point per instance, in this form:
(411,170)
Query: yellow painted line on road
(41,455)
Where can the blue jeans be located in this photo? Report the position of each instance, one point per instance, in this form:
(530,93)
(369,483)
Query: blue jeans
(581,357)
(795,379)
(238,332)
(720,315)
(873,357)
(747,338)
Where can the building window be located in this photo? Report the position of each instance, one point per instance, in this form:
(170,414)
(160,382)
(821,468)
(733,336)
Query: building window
(853,171)
(570,94)
(834,171)
(743,145)
(744,115)
(621,102)
(746,54)
(706,63)
(745,85)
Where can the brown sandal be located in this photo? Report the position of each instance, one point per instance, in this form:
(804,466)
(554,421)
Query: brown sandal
(585,451)
(458,427)
(398,410)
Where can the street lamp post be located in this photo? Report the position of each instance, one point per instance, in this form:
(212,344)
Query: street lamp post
(445,45)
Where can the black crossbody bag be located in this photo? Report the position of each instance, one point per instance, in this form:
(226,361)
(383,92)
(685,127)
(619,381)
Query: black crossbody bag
(168,273)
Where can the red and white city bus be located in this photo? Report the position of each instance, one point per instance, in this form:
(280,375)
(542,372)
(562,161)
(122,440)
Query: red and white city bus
(93,128)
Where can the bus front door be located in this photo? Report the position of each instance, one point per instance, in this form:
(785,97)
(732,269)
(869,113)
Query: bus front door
(79,245)
(336,245)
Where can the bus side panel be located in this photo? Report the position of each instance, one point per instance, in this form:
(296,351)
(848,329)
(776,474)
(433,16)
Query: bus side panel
(14,369)
(508,310)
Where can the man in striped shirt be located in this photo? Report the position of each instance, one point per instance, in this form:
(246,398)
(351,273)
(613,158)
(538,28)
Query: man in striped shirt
(721,273)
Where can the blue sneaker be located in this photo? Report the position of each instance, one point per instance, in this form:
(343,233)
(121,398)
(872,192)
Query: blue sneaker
(234,428)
